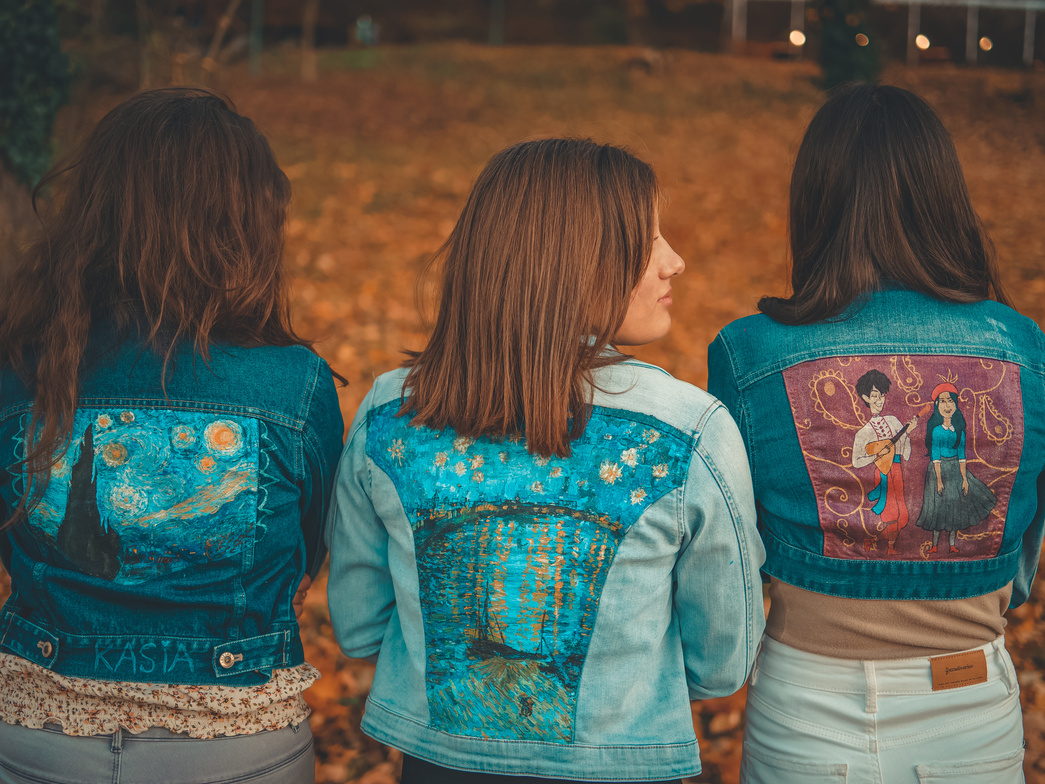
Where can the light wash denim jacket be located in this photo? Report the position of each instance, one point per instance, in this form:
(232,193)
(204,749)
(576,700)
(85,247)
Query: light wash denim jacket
(176,527)
(829,515)
(549,617)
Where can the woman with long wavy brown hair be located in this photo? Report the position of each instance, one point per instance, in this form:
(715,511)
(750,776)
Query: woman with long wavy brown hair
(169,443)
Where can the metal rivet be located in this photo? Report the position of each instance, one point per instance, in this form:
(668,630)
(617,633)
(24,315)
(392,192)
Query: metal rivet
(45,648)
(227,659)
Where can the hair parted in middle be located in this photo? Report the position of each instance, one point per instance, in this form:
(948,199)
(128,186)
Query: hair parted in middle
(878,195)
(538,276)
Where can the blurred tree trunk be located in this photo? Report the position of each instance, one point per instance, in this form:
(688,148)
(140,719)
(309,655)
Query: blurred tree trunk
(210,61)
(310,16)
(636,13)
(144,34)
(497,18)
(94,30)
(16,218)
(726,34)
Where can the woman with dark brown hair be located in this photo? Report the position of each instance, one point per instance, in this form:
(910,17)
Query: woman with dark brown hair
(171,444)
(884,658)
(547,544)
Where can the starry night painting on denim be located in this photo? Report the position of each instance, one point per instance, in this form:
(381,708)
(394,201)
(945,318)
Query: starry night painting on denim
(512,551)
(142,492)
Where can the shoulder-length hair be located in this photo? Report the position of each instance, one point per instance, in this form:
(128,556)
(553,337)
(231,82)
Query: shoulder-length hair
(878,194)
(538,276)
(168,224)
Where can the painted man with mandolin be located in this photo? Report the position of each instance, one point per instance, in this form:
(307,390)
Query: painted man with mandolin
(886,442)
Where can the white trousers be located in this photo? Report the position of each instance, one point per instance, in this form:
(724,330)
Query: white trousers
(819,720)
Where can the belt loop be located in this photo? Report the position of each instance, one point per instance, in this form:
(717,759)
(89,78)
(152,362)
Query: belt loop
(871,684)
(117,751)
(754,664)
(1004,661)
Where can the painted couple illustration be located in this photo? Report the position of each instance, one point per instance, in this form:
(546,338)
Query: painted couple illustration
(867,487)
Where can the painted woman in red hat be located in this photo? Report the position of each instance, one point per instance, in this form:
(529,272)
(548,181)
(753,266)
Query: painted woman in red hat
(954,498)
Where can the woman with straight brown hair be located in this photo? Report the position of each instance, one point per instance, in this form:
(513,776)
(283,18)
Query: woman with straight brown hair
(884,659)
(547,545)
(170,444)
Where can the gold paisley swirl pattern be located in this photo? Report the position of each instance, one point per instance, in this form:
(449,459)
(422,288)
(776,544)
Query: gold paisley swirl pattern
(981,535)
(828,383)
(951,377)
(841,497)
(843,527)
(907,378)
(913,399)
(999,430)
(800,422)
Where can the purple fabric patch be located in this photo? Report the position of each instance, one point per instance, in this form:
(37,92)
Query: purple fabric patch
(879,492)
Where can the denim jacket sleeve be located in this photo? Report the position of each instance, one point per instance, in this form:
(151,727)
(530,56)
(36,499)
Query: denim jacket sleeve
(717,572)
(321,446)
(359,590)
(1031,554)
(721,381)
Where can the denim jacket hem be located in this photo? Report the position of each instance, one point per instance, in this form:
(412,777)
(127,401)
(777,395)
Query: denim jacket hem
(497,756)
(890,579)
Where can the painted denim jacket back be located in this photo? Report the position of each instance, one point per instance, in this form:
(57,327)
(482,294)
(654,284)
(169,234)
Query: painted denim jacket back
(897,452)
(549,616)
(178,523)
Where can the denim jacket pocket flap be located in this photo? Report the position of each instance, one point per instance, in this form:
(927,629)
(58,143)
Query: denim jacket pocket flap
(254,653)
(29,641)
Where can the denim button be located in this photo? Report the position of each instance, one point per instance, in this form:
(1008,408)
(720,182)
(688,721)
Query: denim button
(45,647)
(227,659)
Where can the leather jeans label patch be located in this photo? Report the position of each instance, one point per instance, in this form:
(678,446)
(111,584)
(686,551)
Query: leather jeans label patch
(959,669)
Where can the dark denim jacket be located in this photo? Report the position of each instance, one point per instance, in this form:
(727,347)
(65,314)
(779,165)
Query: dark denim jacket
(836,521)
(177,525)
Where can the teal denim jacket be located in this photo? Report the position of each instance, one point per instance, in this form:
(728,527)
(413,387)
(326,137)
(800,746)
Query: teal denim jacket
(178,524)
(549,617)
(837,521)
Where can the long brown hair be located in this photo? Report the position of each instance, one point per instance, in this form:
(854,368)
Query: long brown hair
(168,223)
(539,272)
(878,194)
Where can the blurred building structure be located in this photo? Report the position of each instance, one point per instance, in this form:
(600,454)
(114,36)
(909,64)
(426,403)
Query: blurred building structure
(916,40)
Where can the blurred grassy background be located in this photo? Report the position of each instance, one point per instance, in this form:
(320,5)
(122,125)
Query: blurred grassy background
(382,148)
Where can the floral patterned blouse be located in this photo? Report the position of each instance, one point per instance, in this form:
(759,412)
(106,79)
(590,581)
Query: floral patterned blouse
(33,696)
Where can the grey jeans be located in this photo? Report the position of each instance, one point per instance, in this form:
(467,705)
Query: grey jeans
(156,756)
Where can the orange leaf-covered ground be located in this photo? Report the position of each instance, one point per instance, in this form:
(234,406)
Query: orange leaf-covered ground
(381,152)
